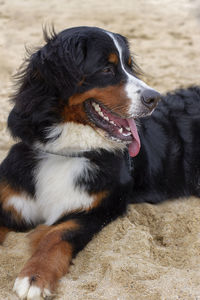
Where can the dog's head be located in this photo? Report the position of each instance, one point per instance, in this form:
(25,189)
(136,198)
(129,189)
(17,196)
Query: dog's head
(81,91)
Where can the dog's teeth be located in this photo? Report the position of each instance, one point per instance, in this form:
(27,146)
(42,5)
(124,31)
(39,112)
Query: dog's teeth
(127,134)
(100,113)
(113,123)
(128,129)
(106,118)
(121,130)
(96,106)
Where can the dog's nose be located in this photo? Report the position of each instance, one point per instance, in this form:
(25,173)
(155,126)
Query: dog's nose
(150,98)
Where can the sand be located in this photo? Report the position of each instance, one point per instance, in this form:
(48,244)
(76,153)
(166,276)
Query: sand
(153,252)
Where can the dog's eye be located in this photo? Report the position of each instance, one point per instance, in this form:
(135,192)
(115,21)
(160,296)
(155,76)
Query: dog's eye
(109,70)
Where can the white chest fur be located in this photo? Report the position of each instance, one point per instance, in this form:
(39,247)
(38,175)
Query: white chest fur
(56,192)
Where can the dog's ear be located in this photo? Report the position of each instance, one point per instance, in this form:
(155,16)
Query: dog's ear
(36,98)
(50,74)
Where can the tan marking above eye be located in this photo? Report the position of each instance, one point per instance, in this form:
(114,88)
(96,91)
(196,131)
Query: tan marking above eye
(130,61)
(113,58)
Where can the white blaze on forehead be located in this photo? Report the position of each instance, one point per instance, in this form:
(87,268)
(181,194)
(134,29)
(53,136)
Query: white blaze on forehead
(138,83)
(134,86)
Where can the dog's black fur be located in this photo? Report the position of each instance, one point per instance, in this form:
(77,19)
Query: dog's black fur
(167,166)
(55,71)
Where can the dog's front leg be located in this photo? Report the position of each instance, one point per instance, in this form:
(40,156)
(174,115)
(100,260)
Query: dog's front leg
(54,247)
(50,261)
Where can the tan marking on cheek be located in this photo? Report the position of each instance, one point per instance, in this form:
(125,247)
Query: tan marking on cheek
(75,113)
(113,97)
(113,58)
(51,257)
(7,192)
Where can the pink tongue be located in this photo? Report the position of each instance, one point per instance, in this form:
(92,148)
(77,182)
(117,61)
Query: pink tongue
(134,147)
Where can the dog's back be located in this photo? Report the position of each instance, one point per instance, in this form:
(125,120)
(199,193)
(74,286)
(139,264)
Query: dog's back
(168,165)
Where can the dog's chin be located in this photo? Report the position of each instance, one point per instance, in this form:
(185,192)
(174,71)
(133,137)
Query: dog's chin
(113,127)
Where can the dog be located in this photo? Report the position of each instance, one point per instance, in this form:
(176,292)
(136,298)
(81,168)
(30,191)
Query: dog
(79,160)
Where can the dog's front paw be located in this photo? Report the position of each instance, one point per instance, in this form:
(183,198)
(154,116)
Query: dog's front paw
(26,288)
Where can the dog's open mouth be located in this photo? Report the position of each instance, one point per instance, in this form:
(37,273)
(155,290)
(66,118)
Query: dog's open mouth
(119,129)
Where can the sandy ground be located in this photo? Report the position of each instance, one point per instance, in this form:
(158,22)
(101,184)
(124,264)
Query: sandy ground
(153,252)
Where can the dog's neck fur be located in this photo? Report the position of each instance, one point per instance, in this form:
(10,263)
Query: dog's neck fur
(67,155)
(73,140)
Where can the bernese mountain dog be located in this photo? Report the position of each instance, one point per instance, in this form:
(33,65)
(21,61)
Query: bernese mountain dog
(79,161)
